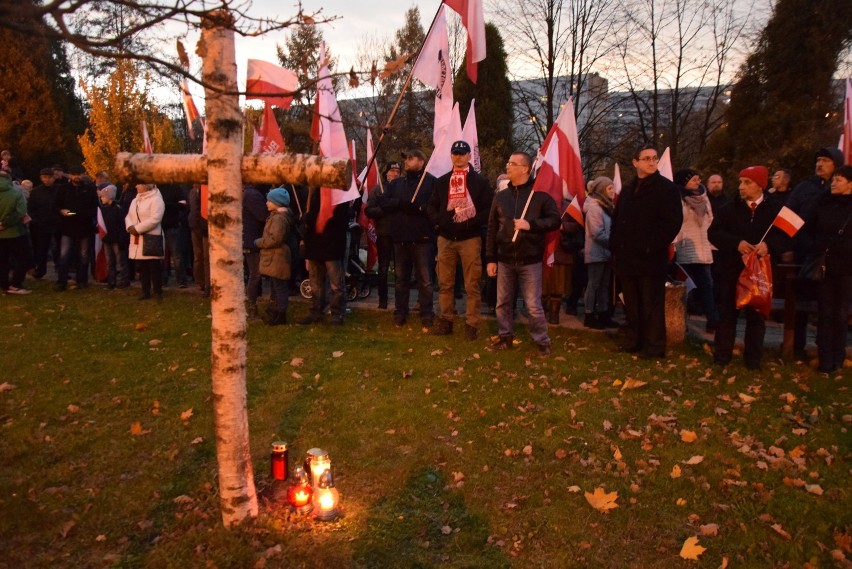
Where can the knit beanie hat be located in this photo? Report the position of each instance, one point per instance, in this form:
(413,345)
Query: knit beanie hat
(279,196)
(757,174)
(108,192)
(598,185)
(682,177)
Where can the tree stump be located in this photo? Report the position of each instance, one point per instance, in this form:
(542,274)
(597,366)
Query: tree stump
(675,313)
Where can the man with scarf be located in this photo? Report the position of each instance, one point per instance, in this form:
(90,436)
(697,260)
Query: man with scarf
(692,247)
(459,208)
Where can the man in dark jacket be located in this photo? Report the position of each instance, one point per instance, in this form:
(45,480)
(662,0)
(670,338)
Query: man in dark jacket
(324,248)
(413,236)
(77,205)
(646,220)
(254,218)
(384,241)
(514,251)
(175,230)
(739,229)
(459,207)
(44,227)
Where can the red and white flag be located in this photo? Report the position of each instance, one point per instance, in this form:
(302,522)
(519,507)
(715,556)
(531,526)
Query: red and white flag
(788,222)
(846,138)
(560,171)
(665,165)
(146,141)
(369,180)
(471,136)
(440,162)
(576,211)
(101,264)
(474,22)
(189,108)
(433,69)
(268,135)
(270,83)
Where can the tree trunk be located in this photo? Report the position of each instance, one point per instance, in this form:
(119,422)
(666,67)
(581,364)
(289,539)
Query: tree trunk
(300,169)
(228,366)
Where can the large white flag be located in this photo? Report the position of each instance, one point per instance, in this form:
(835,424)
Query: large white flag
(440,162)
(471,136)
(665,165)
(433,69)
(333,142)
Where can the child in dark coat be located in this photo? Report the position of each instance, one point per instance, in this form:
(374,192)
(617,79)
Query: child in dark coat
(115,240)
(275,253)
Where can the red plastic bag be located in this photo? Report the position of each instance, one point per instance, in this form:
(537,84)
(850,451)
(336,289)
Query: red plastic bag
(754,287)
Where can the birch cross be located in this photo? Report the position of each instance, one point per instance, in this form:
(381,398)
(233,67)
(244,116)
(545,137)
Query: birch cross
(224,169)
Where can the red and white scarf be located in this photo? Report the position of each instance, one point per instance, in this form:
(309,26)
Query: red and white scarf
(458,198)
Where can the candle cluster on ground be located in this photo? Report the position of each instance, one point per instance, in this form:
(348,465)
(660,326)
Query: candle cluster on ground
(311,485)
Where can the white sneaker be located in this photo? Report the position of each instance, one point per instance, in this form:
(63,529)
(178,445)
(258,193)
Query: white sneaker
(16,290)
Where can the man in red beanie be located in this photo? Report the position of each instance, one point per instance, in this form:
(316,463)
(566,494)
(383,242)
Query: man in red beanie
(737,230)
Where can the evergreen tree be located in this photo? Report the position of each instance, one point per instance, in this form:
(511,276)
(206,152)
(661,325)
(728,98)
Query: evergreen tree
(40,115)
(783,106)
(493,94)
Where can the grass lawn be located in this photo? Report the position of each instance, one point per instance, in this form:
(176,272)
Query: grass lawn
(444,454)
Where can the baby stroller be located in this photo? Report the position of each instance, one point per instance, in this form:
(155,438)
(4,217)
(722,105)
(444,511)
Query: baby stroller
(358,282)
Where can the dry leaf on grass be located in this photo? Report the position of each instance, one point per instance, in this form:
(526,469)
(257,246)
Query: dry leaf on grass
(691,549)
(746,398)
(66,527)
(709,529)
(136,429)
(688,436)
(675,471)
(336,354)
(632,383)
(814,489)
(296,362)
(73,408)
(6,386)
(697,459)
(601,501)
(782,532)
(186,415)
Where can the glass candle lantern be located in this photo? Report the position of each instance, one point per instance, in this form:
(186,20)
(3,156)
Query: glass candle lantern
(278,461)
(316,463)
(300,493)
(326,499)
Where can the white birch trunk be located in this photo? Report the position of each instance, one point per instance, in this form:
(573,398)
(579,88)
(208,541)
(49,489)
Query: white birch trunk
(300,169)
(237,492)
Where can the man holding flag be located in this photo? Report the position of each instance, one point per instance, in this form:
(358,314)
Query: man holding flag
(459,207)
(515,248)
(646,220)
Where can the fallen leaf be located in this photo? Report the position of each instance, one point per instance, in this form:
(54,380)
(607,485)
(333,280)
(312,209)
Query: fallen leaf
(100,538)
(528,450)
(746,398)
(390,432)
(697,459)
(296,362)
(141,326)
(574,489)
(407,374)
(182,499)
(680,502)
(675,471)
(336,354)
(607,425)
(688,436)
(814,489)
(6,386)
(601,501)
(154,342)
(632,383)
(780,531)
(800,431)
(145,524)
(136,429)
(691,549)
(186,415)
(709,529)
(197,441)
(616,452)
(561,453)
(73,408)
(66,527)
(446,530)
(724,564)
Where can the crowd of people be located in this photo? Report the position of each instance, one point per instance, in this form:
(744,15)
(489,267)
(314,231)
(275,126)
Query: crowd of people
(442,232)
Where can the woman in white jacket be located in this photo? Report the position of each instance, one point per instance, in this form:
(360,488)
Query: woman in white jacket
(143,222)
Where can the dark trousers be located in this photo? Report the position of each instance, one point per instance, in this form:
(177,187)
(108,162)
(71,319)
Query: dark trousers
(726,332)
(645,306)
(70,248)
(201,260)
(116,255)
(835,295)
(253,286)
(150,272)
(318,271)
(281,293)
(418,257)
(384,248)
(14,254)
(44,243)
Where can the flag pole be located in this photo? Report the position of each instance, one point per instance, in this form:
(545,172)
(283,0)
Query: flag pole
(524,213)
(405,87)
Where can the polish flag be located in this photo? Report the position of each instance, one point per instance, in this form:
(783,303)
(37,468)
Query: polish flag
(560,172)
(270,83)
(101,265)
(665,165)
(440,162)
(433,68)
(474,22)
(146,141)
(576,211)
(370,180)
(471,136)
(332,142)
(846,138)
(268,134)
(788,222)
(189,108)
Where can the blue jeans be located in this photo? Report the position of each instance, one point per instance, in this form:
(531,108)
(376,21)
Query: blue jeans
(419,257)
(68,246)
(527,280)
(318,270)
(597,289)
(703,278)
(177,253)
(116,255)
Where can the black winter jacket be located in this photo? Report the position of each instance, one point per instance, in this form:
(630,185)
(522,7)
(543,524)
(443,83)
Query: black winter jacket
(114,221)
(83,201)
(254,217)
(542,215)
(408,221)
(42,210)
(480,193)
(829,215)
(331,243)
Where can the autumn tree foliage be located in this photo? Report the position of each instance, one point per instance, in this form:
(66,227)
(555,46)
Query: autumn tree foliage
(783,106)
(116,112)
(40,115)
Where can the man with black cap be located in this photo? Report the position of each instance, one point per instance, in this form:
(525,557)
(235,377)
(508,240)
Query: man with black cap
(459,207)
(44,227)
(413,236)
(77,205)
(384,241)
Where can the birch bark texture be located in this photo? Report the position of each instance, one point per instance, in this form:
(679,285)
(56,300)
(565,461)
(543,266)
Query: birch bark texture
(237,493)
